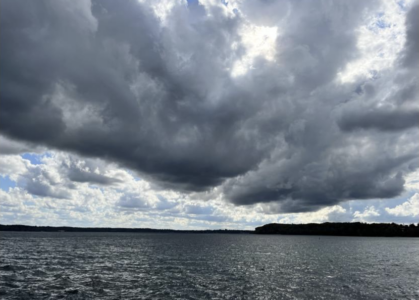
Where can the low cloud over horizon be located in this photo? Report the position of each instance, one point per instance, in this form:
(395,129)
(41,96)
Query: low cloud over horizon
(208,113)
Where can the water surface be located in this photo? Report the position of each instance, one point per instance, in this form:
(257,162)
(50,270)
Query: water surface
(38,265)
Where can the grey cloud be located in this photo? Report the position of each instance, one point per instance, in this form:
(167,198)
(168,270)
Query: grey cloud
(107,80)
(380,119)
(410,56)
(86,170)
(59,177)
(394,111)
(211,218)
(82,176)
(198,210)
(131,201)
(140,202)
(165,204)
(11,147)
(319,40)
(143,102)
(38,181)
(43,189)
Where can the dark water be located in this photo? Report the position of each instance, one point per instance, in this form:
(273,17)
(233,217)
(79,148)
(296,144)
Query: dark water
(205,266)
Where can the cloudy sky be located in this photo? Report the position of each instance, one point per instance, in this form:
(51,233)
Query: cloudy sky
(208,114)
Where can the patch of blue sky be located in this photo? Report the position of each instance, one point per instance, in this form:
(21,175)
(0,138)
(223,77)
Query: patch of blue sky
(192,2)
(34,158)
(6,183)
(30,203)
(402,5)
(134,175)
(380,23)
(95,186)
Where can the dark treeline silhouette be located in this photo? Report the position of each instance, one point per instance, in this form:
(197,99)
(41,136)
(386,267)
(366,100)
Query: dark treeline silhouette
(342,229)
(101,229)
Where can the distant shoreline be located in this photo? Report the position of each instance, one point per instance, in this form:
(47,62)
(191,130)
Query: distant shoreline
(327,229)
(30,228)
(342,229)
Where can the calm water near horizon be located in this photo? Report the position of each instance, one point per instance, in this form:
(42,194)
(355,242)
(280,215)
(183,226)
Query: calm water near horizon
(40,265)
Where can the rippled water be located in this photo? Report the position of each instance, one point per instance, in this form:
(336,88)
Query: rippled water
(41,265)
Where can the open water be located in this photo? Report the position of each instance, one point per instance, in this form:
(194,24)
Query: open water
(63,265)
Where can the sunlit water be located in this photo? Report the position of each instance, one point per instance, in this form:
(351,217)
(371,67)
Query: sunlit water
(41,265)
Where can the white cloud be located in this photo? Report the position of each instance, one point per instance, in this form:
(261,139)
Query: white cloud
(366,215)
(412,181)
(258,41)
(408,208)
(379,42)
(13,166)
(134,202)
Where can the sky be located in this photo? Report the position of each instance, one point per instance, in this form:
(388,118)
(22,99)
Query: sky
(208,114)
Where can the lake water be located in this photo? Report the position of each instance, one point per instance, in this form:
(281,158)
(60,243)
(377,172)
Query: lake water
(37,265)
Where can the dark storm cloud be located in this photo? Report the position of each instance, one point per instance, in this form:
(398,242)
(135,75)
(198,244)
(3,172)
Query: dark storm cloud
(108,80)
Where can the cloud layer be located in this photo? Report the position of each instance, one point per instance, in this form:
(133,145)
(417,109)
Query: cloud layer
(39,189)
(250,103)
